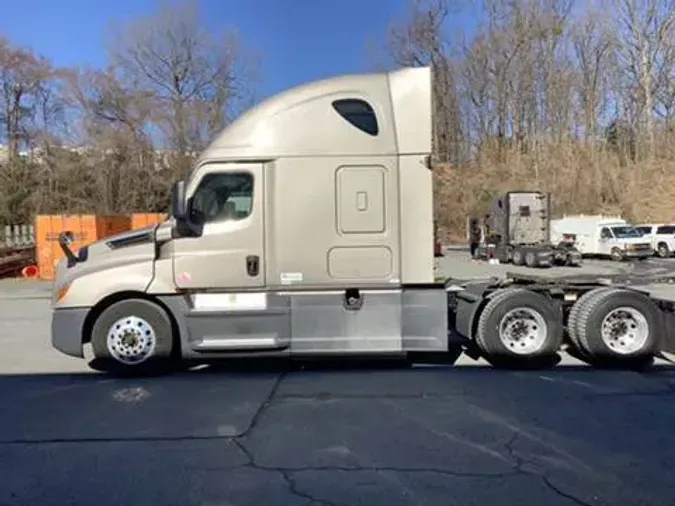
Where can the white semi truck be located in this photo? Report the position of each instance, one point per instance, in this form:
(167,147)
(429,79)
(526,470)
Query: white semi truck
(517,229)
(306,229)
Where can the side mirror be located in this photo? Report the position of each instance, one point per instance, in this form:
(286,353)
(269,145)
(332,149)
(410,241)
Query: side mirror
(178,203)
(65,239)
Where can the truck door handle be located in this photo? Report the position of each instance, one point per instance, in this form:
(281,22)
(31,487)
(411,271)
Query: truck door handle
(252,265)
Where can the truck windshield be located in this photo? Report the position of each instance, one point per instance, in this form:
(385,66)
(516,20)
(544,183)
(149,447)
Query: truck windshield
(625,232)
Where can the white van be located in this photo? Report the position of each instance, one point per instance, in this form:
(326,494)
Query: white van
(603,236)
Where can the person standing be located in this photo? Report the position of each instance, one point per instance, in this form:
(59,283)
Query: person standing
(474,236)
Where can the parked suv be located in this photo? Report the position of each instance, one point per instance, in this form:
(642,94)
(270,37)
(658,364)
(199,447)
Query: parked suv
(662,237)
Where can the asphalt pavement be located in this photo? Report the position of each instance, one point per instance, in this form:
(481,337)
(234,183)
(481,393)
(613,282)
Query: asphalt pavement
(373,434)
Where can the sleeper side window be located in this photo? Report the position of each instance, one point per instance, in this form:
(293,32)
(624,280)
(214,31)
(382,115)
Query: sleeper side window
(222,196)
(359,114)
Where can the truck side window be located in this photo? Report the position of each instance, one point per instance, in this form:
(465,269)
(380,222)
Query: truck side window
(222,196)
(605,233)
(358,113)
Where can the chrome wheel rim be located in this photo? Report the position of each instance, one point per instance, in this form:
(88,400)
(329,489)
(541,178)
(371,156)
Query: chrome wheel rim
(625,330)
(131,340)
(523,330)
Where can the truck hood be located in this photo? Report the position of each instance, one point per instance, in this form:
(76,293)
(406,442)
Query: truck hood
(122,249)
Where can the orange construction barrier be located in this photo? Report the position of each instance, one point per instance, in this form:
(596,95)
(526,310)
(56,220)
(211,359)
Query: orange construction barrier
(86,228)
(142,220)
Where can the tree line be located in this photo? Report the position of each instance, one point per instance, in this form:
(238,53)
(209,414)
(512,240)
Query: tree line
(568,96)
(572,97)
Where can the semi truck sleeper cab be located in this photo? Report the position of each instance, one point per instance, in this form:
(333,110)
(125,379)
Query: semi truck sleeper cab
(306,229)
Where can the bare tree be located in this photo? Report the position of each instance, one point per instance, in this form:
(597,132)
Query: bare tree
(195,79)
(418,40)
(21,74)
(645,28)
(594,50)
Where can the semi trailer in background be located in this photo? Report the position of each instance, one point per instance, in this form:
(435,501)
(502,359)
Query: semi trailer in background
(306,230)
(517,229)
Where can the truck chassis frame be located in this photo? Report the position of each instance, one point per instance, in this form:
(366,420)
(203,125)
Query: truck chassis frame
(579,305)
(534,256)
(520,320)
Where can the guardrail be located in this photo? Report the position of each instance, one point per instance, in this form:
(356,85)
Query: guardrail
(17,236)
(17,250)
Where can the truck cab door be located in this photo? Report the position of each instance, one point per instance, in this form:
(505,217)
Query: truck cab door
(606,241)
(227,205)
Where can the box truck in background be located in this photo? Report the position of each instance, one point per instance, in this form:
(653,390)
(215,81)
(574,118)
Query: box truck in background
(603,236)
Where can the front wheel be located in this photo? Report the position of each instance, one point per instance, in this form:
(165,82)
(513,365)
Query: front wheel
(617,255)
(662,250)
(132,337)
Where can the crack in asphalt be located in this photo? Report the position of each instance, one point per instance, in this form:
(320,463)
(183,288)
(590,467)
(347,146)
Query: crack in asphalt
(264,405)
(545,477)
(288,473)
(546,480)
(447,472)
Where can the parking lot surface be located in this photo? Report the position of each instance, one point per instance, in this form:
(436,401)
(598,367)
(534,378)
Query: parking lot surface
(373,434)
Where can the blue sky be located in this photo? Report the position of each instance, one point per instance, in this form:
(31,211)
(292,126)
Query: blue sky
(298,40)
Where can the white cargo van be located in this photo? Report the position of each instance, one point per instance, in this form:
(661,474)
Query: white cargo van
(603,236)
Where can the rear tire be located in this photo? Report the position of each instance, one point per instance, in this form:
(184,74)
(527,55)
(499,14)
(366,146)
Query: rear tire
(518,257)
(518,327)
(133,337)
(573,318)
(620,327)
(573,260)
(531,259)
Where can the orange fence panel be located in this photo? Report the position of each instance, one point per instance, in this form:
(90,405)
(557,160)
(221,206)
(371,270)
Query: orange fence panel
(86,228)
(142,220)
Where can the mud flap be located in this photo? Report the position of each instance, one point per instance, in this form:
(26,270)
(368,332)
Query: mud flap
(467,305)
(667,340)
